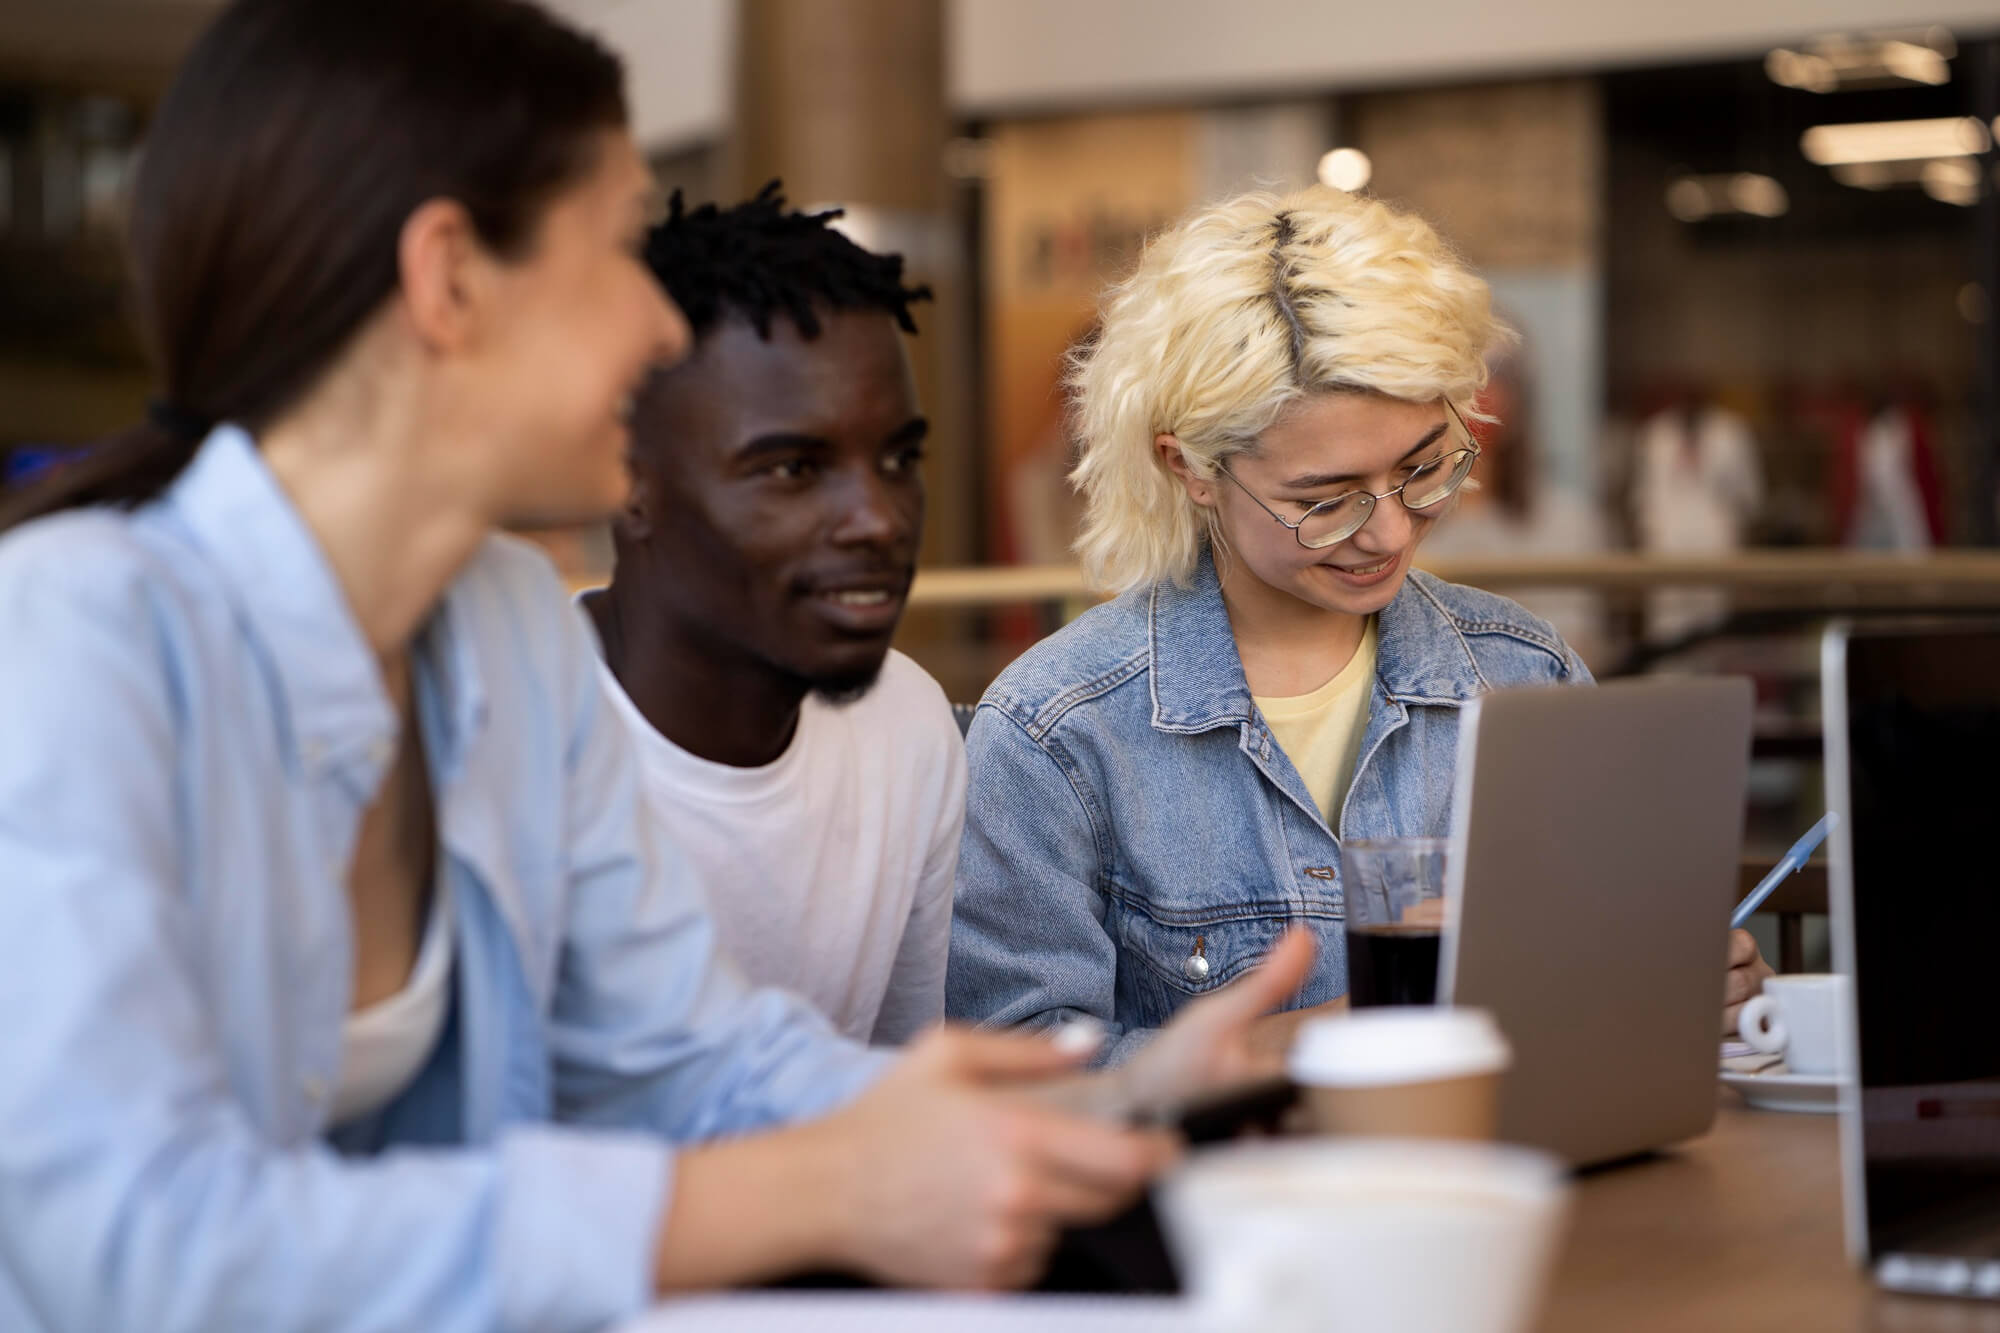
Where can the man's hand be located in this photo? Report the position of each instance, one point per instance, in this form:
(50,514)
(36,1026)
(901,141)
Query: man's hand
(1747,973)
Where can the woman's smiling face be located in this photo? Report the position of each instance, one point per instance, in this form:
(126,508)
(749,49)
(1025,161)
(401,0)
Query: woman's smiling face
(1324,446)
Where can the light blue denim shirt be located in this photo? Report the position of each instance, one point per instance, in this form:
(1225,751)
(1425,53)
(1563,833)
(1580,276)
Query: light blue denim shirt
(194,727)
(1127,801)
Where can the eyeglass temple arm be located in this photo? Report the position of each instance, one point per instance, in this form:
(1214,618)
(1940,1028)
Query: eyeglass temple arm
(1259,503)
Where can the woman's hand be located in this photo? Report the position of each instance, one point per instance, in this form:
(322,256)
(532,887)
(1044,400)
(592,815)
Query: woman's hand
(1747,973)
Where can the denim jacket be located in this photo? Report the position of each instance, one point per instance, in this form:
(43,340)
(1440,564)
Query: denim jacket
(1128,802)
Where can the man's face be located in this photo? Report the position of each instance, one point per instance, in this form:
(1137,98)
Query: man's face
(779,503)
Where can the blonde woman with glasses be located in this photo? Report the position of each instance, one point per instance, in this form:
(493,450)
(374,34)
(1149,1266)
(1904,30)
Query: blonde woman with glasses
(1272,420)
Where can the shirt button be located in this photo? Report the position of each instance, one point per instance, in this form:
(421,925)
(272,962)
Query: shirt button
(1195,966)
(314,1088)
(314,751)
(379,752)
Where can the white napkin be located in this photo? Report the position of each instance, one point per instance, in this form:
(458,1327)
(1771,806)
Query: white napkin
(1740,1057)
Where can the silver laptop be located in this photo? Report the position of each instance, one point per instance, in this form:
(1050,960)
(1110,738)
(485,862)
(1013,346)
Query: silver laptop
(1912,718)
(1594,858)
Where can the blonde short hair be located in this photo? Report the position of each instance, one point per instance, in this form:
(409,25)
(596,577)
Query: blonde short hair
(1242,309)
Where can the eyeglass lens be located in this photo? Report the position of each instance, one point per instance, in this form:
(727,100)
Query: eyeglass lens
(1428,485)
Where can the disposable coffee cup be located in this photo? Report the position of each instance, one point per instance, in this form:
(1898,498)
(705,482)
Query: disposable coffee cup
(1418,1072)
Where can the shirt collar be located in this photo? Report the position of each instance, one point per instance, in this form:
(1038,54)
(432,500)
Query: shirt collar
(1197,674)
(447,663)
(289,601)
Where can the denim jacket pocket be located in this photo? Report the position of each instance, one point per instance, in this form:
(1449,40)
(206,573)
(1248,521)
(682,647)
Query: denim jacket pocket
(1168,957)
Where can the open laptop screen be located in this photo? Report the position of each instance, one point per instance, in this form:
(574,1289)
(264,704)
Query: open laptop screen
(1922,764)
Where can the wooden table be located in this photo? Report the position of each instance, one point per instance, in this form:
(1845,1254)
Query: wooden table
(1738,1231)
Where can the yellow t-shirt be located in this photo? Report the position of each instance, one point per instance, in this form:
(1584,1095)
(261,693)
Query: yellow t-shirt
(1321,732)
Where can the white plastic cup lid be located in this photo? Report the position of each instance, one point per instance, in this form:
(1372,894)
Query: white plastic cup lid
(1378,1047)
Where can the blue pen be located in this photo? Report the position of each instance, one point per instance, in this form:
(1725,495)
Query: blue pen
(1788,864)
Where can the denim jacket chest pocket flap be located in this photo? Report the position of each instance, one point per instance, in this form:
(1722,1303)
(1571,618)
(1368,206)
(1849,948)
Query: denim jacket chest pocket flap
(1170,957)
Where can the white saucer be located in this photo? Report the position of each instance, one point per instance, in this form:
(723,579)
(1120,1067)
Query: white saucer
(1816,1093)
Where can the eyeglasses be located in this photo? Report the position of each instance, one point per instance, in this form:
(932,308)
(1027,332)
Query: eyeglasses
(1331,521)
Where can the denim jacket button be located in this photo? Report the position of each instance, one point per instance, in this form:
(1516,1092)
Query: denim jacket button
(1195,966)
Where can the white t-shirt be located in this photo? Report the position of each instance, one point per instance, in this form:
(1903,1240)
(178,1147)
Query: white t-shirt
(829,870)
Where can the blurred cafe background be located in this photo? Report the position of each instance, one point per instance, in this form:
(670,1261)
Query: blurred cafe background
(1752,246)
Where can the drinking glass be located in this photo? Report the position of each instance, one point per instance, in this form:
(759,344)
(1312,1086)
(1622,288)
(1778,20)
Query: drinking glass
(1395,919)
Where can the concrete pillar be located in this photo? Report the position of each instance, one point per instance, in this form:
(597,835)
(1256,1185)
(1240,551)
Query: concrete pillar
(844,100)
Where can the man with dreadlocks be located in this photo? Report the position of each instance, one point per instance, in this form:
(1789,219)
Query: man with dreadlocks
(812,776)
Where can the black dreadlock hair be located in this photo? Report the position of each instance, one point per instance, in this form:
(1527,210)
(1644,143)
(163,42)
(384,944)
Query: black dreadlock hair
(759,259)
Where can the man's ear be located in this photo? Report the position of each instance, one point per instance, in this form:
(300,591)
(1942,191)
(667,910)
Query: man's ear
(634,521)
(1201,491)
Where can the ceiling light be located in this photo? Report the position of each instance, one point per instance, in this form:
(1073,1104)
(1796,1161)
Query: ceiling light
(1865,60)
(1958,171)
(1937,39)
(1345,169)
(1799,69)
(1759,196)
(1894,140)
(1695,198)
(1952,181)
(1878,175)
(1918,64)
(1687,199)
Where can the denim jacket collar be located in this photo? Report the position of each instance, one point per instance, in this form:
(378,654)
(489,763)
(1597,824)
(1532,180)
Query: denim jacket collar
(1197,675)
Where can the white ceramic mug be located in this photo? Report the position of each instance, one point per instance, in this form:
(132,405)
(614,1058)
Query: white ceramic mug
(1319,1235)
(1802,1017)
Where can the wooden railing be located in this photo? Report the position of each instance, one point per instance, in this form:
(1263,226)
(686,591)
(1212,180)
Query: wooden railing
(1831,579)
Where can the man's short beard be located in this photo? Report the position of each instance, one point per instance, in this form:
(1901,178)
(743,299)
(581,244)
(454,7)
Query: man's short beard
(846,687)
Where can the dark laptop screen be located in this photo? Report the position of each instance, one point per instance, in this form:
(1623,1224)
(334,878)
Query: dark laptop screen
(1924,776)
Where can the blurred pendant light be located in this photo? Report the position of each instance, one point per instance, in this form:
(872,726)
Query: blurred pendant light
(1847,61)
